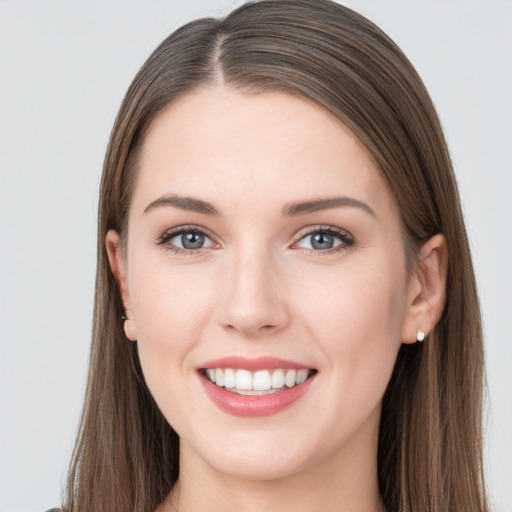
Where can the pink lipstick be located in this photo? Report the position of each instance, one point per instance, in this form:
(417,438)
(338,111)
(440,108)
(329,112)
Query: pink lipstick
(254,387)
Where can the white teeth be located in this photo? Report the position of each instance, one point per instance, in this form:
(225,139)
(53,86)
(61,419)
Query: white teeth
(278,379)
(243,379)
(219,377)
(290,378)
(229,378)
(302,375)
(261,382)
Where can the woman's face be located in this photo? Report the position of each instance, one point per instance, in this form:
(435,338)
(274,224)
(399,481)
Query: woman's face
(263,248)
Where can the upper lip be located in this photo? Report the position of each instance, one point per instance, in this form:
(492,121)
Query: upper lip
(254,364)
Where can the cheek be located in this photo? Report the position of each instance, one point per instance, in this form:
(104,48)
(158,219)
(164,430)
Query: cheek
(169,302)
(356,321)
(170,307)
(360,298)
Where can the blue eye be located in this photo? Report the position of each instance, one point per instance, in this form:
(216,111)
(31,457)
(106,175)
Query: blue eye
(322,241)
(186,239)
(325,240)
(191,240)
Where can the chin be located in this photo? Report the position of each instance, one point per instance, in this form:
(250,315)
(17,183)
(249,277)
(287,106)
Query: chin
(256,456)
(259,468)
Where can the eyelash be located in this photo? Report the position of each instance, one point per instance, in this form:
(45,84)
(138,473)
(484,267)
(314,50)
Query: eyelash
(169,235)
(343,236)
(346,239)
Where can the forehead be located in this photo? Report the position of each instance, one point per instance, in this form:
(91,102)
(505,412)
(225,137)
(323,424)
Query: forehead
(222,145)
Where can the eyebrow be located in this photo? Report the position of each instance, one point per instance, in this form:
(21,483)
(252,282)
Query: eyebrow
(292,209)
(315,205)
(183,203)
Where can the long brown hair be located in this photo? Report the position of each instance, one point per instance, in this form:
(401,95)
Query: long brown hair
(430,443)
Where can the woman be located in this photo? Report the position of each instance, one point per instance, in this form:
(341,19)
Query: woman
(286,315)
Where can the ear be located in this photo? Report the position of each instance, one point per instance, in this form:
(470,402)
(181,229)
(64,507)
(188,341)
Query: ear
(117,262)
(426,290)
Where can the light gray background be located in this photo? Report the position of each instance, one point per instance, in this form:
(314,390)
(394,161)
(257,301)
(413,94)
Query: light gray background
(64,67)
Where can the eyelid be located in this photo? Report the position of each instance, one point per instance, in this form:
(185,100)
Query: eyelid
(346,238)
(170,233)
(322,227)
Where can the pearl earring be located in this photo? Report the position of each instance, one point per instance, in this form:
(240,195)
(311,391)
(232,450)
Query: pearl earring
(129,327)
(420,336)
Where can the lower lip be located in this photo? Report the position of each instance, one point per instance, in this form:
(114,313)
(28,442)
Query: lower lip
(254,406)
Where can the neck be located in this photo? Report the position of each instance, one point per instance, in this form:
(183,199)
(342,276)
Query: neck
(345,481)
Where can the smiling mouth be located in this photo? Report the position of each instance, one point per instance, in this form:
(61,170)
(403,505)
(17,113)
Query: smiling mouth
(256,383)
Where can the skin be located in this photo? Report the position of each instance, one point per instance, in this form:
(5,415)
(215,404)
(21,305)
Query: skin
(257,288)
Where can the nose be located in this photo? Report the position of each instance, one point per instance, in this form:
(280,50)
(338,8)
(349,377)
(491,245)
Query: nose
(254,302)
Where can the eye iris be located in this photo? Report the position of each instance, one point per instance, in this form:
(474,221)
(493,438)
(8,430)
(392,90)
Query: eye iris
(322,241)
(192,240)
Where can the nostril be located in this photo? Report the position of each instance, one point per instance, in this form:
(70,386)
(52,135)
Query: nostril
(261,329)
